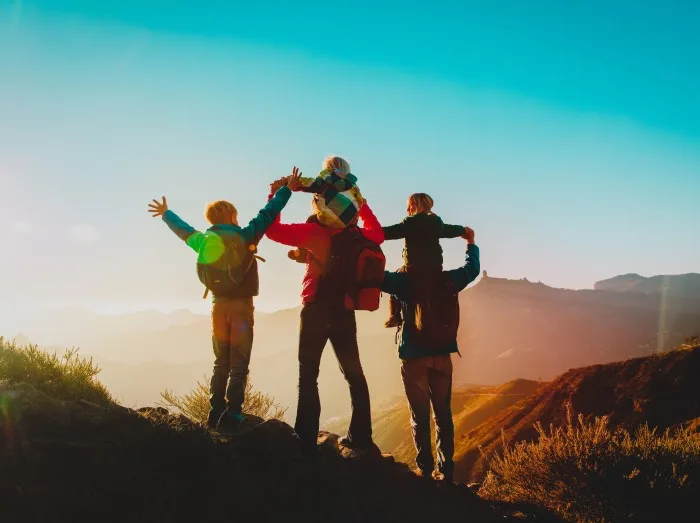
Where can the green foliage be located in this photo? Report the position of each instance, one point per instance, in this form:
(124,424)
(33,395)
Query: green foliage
(195,404)
(68,377)
(587,471)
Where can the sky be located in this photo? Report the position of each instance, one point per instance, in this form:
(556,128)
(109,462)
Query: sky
(567,134)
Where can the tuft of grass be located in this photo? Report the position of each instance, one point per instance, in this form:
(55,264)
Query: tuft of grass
(588,471)
(69,377)
(195,404)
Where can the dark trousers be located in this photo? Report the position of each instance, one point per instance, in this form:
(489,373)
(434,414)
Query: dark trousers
(429,380)
(318,325)
(232,338)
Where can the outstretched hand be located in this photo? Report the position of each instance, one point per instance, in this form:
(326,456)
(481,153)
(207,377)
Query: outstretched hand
(468,234)
(294,180)
(158,208)
(274,186)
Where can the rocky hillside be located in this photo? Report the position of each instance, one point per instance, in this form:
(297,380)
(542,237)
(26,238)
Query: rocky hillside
(78,461)
(662,390)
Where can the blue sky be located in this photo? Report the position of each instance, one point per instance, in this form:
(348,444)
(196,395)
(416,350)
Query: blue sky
(565,133)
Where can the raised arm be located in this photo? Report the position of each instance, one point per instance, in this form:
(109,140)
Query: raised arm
(371,228)
(471,268)
(395,232)
(451,231)
(254,231)
(185,232)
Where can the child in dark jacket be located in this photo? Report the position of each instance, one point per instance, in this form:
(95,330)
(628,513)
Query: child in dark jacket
(422,230)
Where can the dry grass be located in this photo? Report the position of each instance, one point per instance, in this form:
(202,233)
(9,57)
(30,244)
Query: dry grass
(195,404)
(588,471)
(68,377)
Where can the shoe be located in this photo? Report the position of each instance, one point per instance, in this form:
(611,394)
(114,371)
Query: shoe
(444,478)
(392,322)
(308,450)
(420,473)
(345,441)
(213,418)
(230,421)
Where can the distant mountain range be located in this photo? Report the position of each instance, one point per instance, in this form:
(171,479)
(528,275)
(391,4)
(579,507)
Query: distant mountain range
(510,329)
(687,285)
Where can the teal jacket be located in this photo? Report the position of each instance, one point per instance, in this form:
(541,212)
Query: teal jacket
(209,245)
(399,284)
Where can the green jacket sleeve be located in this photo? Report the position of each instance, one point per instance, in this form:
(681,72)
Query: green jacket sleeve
(254,231)
(184,231)
(450,231)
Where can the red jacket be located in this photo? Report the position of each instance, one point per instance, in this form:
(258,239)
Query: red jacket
(317,240)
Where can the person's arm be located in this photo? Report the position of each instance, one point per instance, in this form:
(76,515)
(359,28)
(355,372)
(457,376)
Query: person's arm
(470,271)
(394,283)
(451,231)
(254,231)
(312,185)
(371,228)
(184,231)
(396,232)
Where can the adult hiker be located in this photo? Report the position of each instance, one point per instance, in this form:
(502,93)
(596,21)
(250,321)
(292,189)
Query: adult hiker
(328,313)
(430,308)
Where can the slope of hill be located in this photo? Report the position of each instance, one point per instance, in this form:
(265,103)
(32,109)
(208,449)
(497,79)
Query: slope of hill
(471,406)
(661,390)
(77,461)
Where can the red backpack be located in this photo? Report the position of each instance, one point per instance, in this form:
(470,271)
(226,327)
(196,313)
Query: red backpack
(354,272)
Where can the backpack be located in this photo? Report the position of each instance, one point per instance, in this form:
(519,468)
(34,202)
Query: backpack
(354,273)
(226,273)
(434,316)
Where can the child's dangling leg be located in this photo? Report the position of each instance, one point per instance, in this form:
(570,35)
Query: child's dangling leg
(394,314)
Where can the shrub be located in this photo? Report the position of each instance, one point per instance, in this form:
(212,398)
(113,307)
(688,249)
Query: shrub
(68,377)
(586,471)
(195,404)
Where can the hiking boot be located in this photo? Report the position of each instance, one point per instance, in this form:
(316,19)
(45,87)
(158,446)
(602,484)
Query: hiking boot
(308,450)
(444,478)
(393,322)
(230,421)
(213,418)
(420,473)
(345,441)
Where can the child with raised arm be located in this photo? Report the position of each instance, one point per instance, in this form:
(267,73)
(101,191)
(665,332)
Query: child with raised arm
(422,230)
(337,198)
(227,266)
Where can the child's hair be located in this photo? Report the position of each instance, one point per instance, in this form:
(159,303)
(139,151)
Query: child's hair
(220,212)
(336,162)
(421,203)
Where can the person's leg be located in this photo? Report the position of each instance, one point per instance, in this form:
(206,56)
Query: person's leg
(440,380)
(313,335)
(343,336)
(220,343)
(241,322)
(394,313)
(415,381)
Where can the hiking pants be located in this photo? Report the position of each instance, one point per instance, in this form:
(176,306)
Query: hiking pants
(232,337)
(318,325)
(429,380)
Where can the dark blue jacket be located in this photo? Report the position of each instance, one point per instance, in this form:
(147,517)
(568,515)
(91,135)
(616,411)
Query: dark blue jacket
(399,284)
